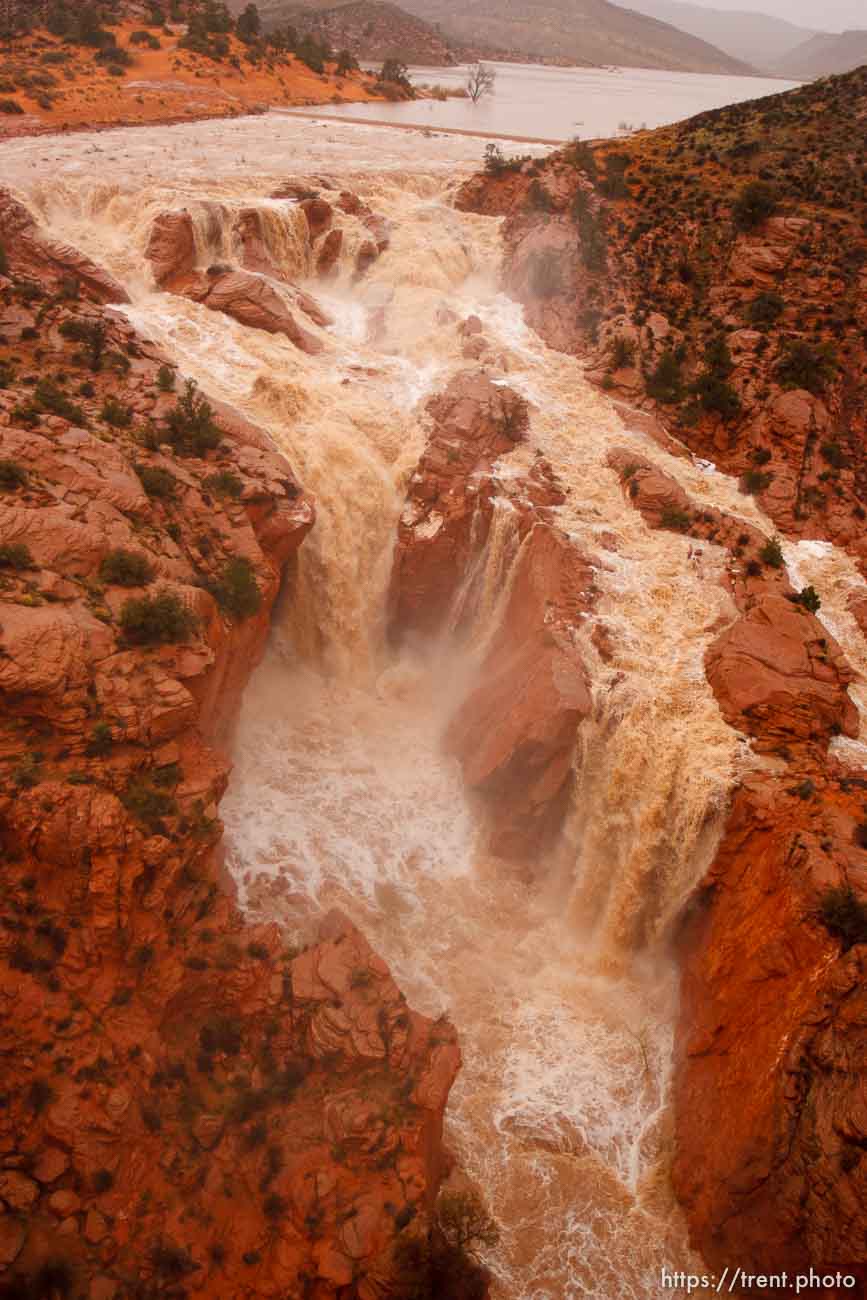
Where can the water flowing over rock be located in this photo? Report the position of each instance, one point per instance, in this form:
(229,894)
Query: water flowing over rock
(774,1014)
(641,257)
(779,675)
(515,733)
(48,261)
(214,1106)
(250,300)
(171,248)
(546,697)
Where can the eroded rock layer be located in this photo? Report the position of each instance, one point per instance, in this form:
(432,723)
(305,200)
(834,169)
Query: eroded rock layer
(188,1106)
(475,542)
(772,951)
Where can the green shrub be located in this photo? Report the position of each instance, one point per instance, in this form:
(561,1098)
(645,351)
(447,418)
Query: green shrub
(496,164)
(162,619)
(148,806)
(170,1261)
(116,413)
(157,482)
(192,428)
(833,454)
(754,481)
(12,475)
(676,519)
(4,261)
(803,365)
(39,1095)
(224,484)
(236,590)
(116,58)
(52,399)
(717,395)
(126,569)
(772,553)
(222,1034)
(580,155)
(614,184)
(27,772)
(621,352)
(15,555)
(166,379)
(100,741)
(844,915)
(756,202)
(27,414)
(665,384)
(809,598)
(11,107)
(766,309)
(92,333)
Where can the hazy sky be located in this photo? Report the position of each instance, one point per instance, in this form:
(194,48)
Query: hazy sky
(822,15)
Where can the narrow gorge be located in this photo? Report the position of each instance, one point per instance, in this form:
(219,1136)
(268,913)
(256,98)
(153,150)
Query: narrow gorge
(530,732)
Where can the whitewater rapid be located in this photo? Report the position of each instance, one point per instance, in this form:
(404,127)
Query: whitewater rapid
(556,975)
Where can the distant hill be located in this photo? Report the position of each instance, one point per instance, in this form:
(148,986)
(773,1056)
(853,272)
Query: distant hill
(371,29)
(757,38)
(825,54)
(584,31)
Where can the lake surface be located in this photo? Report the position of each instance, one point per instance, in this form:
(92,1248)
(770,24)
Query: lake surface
(559,103)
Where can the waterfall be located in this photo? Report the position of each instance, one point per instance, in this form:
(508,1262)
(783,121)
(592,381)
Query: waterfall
(563,992)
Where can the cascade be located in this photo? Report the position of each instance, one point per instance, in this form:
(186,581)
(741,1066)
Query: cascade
(563,992)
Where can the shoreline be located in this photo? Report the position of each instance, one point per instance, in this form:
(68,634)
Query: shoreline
(47,130)
(418,126)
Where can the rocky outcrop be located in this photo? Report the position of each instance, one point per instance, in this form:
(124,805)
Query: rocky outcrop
(473,545)
(776,671)
(328,257)
(774,1015)
(515,732)
(52,266)
(447,517)
(319,216)
(251,300)
(188,1103)
(772,1011)
(779,675)
(171,248)
(706,273)
(259,292)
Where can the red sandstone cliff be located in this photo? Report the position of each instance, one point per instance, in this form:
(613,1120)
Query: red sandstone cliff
(187,1106)
(769,1088)
(712,274)
(515,731)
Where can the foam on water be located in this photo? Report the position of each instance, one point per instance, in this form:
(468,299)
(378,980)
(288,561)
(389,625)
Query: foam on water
(557,975)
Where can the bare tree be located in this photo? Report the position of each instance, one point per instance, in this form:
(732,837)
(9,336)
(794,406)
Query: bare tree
(480,81)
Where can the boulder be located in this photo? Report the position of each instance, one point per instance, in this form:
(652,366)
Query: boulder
(779,675)
(171,248)
(252,301)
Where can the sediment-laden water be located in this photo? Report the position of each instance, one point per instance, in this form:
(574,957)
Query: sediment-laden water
(562,990)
